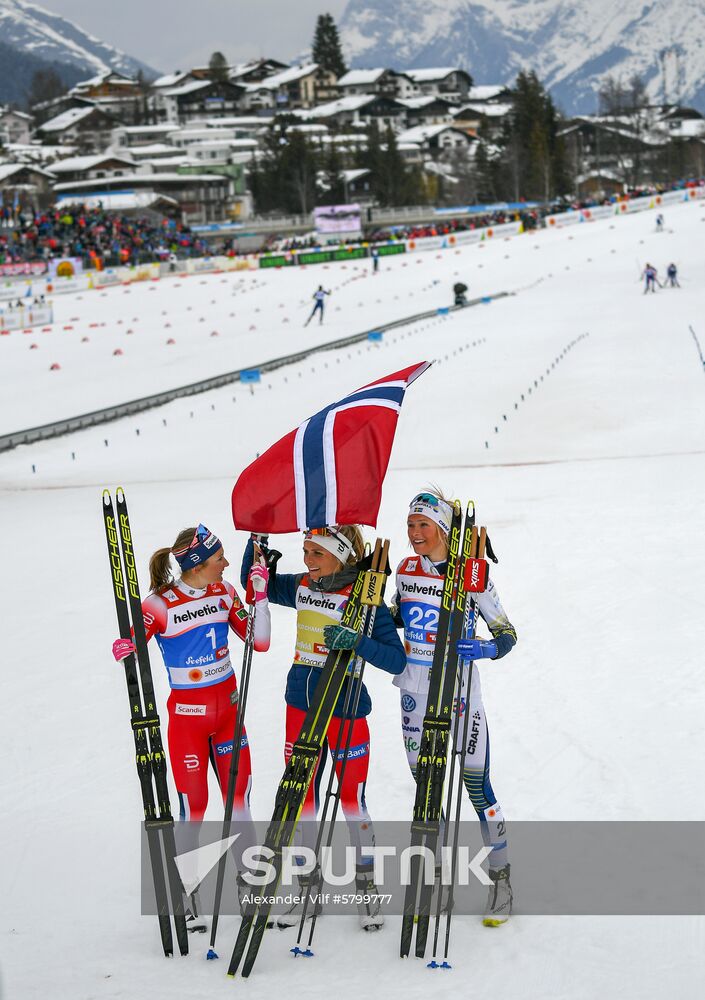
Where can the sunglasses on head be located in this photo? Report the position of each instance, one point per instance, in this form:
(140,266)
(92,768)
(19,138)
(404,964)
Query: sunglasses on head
(428,498)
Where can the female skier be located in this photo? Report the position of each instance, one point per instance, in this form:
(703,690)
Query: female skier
(416,608)
(190,617)
(332,558)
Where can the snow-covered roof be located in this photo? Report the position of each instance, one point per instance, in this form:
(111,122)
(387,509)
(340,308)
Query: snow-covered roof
(360,77)
(353,175)
(486,92)
(138,130)
(422,133)
(428,75)
(78,163)
(66,119)
(188,88)
(8,169)
(120,201)
(165,177)
(171,79)
(287,76)
(424,102)
(352,103)
(488,110)
(16,114)
(151,149)
(688,128)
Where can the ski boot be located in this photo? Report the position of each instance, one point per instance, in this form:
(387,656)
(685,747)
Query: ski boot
(499,898)
(369,907)
(309,895)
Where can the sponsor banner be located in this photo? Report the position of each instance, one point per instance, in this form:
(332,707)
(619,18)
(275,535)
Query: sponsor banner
(65,267)
(563,219)
(63,285)
(450,240)
(21,268)
(19,319)
(338,219)
(598,212)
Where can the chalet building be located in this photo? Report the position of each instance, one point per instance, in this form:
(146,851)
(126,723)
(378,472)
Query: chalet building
(298,87)
(201,197)
(359,111)
(198,99)
(25,185)
(15,127)
(612,145)
(488,116)
(430,110)
(385,82)
(436,140)
(453,84)
(87,128)
(98,167)
(134,136)
(256,71)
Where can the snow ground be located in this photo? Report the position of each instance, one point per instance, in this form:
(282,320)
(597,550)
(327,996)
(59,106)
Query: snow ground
(591,489)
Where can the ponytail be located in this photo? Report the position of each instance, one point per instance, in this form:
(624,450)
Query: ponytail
(160,573)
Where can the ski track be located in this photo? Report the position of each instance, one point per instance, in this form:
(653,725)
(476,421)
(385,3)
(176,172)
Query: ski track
(591,489)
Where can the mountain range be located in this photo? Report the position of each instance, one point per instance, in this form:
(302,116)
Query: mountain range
(42,40)
(571,44)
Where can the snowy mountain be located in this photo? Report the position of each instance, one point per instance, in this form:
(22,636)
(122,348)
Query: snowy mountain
(572,44)
(34,31)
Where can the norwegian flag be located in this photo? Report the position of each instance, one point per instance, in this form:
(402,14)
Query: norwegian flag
(330,469)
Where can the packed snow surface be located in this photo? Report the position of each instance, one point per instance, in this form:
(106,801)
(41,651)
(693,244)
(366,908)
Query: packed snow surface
(573,412)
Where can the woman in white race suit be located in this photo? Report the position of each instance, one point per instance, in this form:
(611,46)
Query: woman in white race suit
(416,604)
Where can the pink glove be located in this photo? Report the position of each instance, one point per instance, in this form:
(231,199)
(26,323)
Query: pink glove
(257,583)
(123,648)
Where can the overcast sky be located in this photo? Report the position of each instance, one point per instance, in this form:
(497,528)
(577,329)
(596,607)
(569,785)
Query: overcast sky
(176,34)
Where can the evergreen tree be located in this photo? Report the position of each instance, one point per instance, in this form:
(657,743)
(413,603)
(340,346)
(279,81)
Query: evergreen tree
(326,50)
(218,68)
(333,184)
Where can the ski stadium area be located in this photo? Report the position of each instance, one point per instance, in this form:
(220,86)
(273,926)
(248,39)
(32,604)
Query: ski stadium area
(572,410)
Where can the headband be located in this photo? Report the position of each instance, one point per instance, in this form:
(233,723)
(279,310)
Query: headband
(332,541)
(435,509)
(203,545)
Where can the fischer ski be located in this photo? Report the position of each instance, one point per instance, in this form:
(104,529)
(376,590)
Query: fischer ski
(365,596)
(433,753)
(149,751)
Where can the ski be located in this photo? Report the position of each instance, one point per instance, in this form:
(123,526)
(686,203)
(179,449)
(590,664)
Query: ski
(365,596)
(474,581)
(149,752)
(433,753)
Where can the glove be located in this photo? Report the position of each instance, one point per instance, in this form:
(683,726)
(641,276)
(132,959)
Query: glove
(260,540)
(122,648)
(340,637)
(257,583)
(476,649)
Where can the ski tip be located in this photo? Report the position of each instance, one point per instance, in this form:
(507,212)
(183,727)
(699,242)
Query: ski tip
(109,500)
(120,494)
(230,975)
(211,955)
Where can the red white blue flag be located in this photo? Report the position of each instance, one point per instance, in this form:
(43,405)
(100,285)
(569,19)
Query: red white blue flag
(330,469)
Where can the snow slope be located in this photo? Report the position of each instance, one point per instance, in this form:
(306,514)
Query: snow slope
(592,490)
